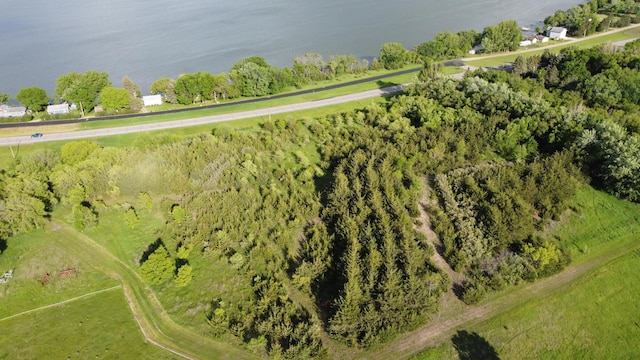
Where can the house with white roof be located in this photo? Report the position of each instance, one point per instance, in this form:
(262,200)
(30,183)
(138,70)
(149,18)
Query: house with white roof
(12,111)
(557,33)
(151,100)
(58,109)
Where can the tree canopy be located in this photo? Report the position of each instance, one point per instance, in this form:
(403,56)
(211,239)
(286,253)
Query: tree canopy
(114,99)
(33,98)
(82,89)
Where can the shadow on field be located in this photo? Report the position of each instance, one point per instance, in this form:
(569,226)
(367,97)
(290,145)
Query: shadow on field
(473,346)
(150,250)
(3,245)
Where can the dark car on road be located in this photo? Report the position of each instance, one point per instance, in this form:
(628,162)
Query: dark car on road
(36,135)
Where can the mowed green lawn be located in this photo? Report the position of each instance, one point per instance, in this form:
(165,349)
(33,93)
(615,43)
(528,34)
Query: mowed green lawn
(94,327)
(596,316)
(79,317)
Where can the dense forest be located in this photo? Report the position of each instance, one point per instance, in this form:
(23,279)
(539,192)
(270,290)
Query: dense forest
(315,217)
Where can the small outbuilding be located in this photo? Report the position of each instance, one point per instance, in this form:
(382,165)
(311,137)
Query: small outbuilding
(58,109)
(542,38)
(557,33)
(525,43)
(151,100)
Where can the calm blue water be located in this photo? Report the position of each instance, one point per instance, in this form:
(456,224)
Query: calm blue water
(147,40)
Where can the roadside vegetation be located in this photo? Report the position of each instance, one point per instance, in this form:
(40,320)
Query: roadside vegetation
(299,237)
(253,77)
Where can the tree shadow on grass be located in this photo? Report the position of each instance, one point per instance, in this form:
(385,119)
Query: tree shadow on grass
(150,250)
(471,346)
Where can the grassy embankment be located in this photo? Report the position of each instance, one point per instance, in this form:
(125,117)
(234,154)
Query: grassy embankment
(81,316)
(48,127)
(160,136)
(595,316)
(59,247)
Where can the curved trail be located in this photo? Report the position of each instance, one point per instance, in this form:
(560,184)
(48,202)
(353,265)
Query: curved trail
(438,330)
(156,325)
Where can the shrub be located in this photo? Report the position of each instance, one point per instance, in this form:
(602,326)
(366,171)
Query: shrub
(183,278)
(158,268)
(473,293)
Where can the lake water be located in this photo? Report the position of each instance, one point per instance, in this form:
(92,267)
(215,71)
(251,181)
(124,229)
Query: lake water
(147,40)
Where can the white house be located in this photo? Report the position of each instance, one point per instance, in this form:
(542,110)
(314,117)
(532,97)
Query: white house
(557,33)
(525,43)
(12,111)
(58,109)
(151,100)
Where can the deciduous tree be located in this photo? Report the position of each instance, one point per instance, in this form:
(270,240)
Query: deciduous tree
(158,268)
(114,99)
(5,98)
(82,89)
(393,55)
(33,98)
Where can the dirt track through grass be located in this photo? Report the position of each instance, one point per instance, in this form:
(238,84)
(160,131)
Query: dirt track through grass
(439,329)
(60,302)
(157,327)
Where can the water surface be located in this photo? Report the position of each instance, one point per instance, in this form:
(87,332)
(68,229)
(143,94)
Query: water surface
(147,40)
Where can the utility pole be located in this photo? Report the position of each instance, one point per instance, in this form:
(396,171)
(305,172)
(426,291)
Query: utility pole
(587,27)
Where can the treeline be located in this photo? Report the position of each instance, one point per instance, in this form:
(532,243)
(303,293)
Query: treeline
(608,131)
(253,76)
(584,20)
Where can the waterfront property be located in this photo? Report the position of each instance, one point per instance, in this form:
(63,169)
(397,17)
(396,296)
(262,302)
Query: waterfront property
(12,111)
(557,33)
(151,100)
(58,109)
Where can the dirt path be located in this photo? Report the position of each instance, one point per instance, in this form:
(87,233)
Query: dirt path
(425,203)
(154,322)
(449,302)
(443,325)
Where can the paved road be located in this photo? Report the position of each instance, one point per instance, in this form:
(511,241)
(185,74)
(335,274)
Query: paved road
(201,120)
(254,113)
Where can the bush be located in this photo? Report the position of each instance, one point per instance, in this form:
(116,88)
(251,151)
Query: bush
(473,293)
(158,268)
(68,116)
(183,278)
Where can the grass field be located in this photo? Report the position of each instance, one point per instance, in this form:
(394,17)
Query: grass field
(595,316)
(32,256)
(96,326)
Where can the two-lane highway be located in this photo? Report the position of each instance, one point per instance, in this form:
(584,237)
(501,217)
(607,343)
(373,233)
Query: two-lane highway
(83,134)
